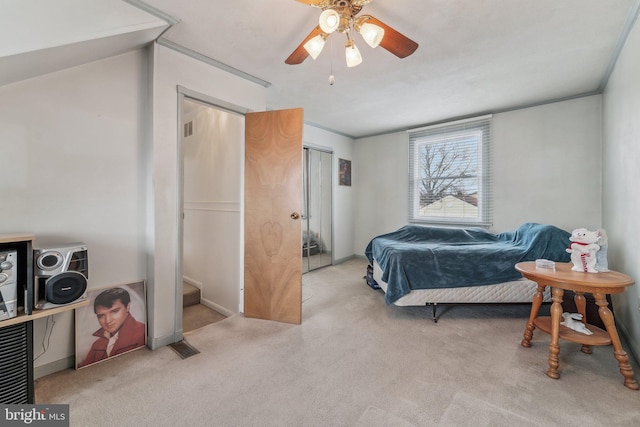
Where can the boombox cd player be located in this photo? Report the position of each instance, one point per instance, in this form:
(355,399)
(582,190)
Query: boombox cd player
(61,274)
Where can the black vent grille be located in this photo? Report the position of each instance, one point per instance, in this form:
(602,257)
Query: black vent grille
(15,367)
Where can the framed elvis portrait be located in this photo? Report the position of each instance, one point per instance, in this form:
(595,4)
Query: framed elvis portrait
(113,323)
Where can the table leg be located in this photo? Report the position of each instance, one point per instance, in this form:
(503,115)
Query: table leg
(554,346)
(535,308)
(581,305)
(618,351)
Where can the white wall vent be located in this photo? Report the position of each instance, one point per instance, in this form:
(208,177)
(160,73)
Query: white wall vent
(188,129)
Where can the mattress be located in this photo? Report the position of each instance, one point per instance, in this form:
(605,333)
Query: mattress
(517,291)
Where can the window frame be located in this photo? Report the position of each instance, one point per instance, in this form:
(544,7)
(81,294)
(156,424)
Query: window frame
(479,128)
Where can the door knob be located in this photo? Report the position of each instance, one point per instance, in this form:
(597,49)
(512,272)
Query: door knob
(295,215)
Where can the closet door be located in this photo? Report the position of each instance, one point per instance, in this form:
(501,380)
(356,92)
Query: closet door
(317,226)
(272,209)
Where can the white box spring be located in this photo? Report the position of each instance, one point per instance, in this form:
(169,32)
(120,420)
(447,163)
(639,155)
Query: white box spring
(517,291)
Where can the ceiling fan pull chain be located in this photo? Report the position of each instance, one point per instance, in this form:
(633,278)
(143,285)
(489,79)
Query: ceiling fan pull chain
(332,79)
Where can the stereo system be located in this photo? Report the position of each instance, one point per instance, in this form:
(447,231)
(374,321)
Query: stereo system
(60,275)
(8,284)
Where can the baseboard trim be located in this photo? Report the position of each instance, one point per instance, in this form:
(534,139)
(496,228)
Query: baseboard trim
(192,282)
(213,306)
(53,367)
(345,259)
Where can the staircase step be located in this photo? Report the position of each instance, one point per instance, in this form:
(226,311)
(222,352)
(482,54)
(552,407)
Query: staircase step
(190,295)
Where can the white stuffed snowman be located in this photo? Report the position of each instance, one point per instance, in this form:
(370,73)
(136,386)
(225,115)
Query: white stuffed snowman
(583,249)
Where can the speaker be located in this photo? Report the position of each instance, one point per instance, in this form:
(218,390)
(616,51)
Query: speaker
(61,274)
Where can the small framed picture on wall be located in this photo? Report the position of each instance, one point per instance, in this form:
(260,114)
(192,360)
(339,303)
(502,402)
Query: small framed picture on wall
(344,173)
(113,323)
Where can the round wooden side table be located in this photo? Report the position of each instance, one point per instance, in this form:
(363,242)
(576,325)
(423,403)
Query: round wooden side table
(600,285)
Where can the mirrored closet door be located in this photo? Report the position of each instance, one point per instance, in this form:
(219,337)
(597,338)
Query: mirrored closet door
(317,239)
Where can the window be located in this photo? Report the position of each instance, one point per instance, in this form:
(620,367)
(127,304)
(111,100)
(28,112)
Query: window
(449,173)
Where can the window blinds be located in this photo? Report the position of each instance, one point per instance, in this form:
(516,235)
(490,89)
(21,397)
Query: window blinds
(450,173)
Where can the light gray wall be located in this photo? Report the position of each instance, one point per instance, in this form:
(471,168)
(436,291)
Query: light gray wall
(546,169)
(621,174)
(72,170)
(381,173)
(547,165)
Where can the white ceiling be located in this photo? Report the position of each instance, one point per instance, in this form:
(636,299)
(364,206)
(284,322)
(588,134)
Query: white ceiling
(475,56)
(43,36)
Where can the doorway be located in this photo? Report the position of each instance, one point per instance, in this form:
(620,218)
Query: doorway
(317,210)
(211,159)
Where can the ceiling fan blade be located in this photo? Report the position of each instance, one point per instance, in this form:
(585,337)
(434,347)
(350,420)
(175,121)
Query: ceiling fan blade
(316,3)
(393,41)
(300,53)
(326,3)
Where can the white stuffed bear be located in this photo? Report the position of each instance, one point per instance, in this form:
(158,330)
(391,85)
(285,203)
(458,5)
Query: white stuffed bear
(583,249)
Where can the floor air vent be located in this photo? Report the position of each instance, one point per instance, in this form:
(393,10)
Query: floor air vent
(184,349)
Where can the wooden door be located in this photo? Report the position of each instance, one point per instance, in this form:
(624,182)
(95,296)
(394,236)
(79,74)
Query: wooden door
(272,225)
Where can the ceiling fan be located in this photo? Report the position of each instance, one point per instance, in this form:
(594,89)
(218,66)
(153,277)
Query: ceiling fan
(341,16)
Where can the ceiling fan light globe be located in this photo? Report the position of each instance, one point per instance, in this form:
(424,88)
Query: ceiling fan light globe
(371,33)
(352,54)
(314,46)
(329,21)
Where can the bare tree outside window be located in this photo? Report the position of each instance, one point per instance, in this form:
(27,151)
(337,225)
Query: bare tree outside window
(448,168)
(447,176)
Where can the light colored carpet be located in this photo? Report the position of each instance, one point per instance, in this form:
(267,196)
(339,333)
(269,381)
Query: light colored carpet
(307,291)
(353,362)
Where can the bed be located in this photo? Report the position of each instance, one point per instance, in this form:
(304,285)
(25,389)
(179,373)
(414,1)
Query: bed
(420,265)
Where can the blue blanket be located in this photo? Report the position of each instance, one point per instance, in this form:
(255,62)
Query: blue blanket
(419,257)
